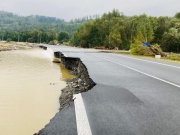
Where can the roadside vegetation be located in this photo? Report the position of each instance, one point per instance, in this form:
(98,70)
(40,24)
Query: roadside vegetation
(173,56)
(138,49)
(115,30)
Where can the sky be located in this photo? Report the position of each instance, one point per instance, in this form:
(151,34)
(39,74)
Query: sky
(71,9)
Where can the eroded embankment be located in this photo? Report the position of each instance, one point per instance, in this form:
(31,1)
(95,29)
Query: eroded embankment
(81,83)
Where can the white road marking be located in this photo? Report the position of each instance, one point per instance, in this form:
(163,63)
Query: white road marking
(148,61)
(83,127)
(141,72)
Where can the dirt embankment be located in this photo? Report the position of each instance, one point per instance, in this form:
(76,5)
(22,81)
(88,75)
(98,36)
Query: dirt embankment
(81,83)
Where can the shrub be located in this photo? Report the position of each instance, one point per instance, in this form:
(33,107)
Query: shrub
(137,49)
(54,42)
(66,43)
(30,40)
(51,43)
(9,40)
(173,56)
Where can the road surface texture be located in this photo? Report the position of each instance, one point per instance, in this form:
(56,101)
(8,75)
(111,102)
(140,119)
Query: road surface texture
(133,96)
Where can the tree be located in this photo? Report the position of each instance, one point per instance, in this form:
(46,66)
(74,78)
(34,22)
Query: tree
(82,36)
(52,35)
(35,36)
(2,35)
(144,29)
(177,15)
(94,37)
(115,38)
(63,37)
(171,40)
(43,37)
(40,35)
(162,26)
(25,35)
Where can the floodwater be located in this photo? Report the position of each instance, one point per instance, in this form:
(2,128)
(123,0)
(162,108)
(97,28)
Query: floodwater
(30,87)
(65,73)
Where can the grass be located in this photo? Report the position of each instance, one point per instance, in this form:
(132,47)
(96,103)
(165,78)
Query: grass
(4,44)
(116,51)
(173,56)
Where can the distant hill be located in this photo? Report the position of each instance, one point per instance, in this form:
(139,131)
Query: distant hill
(11,22)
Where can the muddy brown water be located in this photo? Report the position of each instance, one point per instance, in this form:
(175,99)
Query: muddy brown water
(30,87)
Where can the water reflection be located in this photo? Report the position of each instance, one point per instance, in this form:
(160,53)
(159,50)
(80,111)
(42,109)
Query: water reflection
(29,91)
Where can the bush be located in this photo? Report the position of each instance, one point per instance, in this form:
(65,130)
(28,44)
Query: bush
(51,43)
(54,42)
(137,49)
(173,56)
(30,40)
(66,43)
(9,40)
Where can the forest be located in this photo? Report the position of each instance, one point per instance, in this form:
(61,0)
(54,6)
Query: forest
(111,30)
(115,30)
(37,28)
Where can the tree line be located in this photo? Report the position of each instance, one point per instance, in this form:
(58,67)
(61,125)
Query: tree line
(114,29)
(36,36)
(38,29)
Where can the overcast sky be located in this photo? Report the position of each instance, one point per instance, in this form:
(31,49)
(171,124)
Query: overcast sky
(71,9)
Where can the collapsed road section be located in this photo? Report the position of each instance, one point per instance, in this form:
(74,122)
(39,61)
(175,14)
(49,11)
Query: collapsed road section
(81,83)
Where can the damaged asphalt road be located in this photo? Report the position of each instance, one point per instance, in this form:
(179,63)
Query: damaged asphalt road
(132,96)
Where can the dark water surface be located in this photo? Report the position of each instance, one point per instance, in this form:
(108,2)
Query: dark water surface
(30,86)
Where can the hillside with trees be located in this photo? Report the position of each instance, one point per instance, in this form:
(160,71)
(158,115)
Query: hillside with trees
(37,28)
